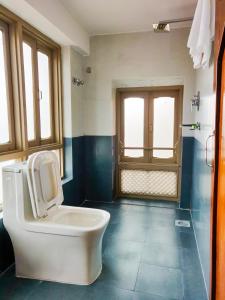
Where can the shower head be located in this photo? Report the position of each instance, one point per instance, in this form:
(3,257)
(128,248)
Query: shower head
(163,26)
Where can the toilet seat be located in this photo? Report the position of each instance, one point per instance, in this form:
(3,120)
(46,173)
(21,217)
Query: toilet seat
(44,182)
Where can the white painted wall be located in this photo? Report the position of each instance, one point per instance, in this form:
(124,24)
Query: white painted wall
(67,88)
(51,18)
(137,59)
(77,95)
(72,66)
(206,113)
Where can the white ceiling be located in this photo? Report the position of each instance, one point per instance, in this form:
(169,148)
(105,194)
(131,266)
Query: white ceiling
(120,16)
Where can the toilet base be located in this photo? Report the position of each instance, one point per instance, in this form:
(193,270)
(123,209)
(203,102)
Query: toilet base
(65,259)
(60,281)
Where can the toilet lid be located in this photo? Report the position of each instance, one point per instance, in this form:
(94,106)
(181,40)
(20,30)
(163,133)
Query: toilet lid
(44,182)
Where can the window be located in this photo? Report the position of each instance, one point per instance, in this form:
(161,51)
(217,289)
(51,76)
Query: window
(39,84)
(30,92)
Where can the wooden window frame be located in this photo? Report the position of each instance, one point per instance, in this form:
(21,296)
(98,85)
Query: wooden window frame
(31,42)
(47,51)
(10,145)
(38,46)
(19,31)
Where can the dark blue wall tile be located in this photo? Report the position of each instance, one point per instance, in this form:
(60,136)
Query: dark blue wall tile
(74,190)
(200,206)
(186,179)
(6,250)
(99,167)
(68,157)
(93,169)
(114,156)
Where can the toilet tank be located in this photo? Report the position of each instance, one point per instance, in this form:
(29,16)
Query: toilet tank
(16,198)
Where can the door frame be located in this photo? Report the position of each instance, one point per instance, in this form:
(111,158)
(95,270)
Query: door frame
(214,280)
(170,166)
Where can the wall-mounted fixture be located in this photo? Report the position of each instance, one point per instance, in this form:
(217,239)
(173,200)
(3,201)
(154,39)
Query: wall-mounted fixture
(88,70)
(163,26)
(77,81)
(208,162)
(195,101)
(193,126)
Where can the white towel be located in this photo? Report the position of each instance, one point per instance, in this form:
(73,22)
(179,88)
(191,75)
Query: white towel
(202,33)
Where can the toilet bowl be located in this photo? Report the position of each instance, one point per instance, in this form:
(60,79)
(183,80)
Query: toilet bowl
(50,241)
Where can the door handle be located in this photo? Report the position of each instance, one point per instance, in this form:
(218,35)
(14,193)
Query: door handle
(206,150)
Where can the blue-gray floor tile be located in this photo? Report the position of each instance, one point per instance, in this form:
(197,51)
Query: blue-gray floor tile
(161,217)
(161,255)
(183,214)
(128,231)
(96,291)
(13,288)
(148,296)
(194,285)
(164,282)
(58,291)
(156,203)
(189,259)
(121,273)
(123,249)
(166,212)
(131,217)
(105,292)
(187,240)
(166,236)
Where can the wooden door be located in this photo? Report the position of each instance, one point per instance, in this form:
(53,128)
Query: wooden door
(149,133)
(218,176)
(219,256)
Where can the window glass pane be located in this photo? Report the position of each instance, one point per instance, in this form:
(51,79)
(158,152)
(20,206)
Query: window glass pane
(134,126)
(3,164)
(4,114)
(163,126)
(28,76)
(44,94)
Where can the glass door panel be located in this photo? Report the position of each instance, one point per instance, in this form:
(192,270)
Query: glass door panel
(134,126)
(44,90)
(4,112)
(28,79)
(163,127)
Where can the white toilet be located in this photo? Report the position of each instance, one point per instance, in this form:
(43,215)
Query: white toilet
(51,241)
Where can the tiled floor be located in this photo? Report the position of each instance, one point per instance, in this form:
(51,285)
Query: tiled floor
(144,257)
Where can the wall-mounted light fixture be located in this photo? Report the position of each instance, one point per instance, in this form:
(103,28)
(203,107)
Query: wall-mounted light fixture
(77,81)
(195,101)
(193,126)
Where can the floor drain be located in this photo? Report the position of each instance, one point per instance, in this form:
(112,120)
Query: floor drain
(182,223)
